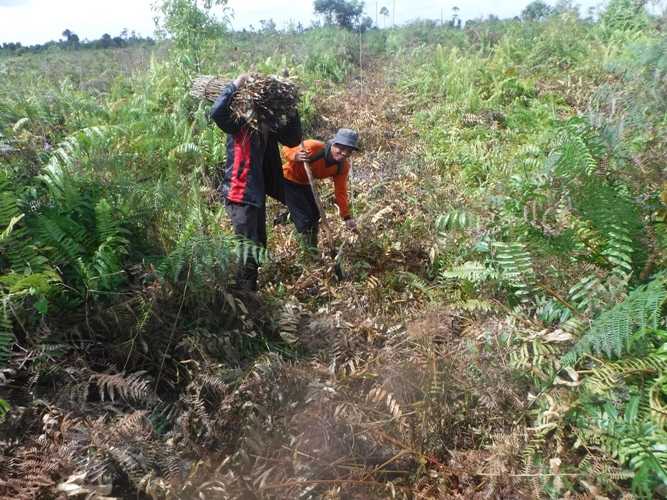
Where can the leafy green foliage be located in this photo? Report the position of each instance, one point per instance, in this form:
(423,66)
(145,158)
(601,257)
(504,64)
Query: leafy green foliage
(607,375)
(6,332)
(611,333)
(517,267)
(635,433)
(455,219)
(564,196)
(190,27)
(25,271)
(346,13)
(536,10)
(623,15)
(475,272)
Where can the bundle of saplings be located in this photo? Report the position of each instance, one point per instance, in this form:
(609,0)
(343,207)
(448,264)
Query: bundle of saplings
(263,99)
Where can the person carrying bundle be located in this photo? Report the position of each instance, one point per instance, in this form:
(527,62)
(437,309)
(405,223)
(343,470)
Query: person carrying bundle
(252,170)
(329,159)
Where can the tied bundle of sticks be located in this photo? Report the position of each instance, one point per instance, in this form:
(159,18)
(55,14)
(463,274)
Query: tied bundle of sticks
(263,99)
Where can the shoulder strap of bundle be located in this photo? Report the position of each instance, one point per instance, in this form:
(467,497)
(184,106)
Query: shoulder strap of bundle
(320,155)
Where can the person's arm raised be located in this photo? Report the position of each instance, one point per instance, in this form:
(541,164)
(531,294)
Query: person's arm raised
(221,112)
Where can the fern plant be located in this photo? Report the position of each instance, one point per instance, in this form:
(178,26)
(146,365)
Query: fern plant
(24,271)
(604,203)
(620,405)
(473,271)
(630,439)
(6,331)
(608,375)
(611,333)
(516,264)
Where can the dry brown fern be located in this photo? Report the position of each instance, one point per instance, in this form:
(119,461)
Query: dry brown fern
(380,395)
(133,389)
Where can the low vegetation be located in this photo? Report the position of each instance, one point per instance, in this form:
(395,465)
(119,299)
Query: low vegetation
(501,331)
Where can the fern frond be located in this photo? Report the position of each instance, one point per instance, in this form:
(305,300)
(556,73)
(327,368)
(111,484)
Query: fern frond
(607,375)
(574,326)
(611,332)
(657,395)
(6,331)
(573,157)
(475,306)
(63,235)
(67,152)
(107,223)
(15,241)
(187,148)
(642,447)
(473,271)
(104,270)
(133,388)
(585,293)
(290,321)
(456,219)
(380,395)
(619,249)
(604,467)
(10,227)
(616,221)
(207,256)
(535,357)
(516,264)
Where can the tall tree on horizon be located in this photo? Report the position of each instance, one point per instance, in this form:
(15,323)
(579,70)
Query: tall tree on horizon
(344,13)
(384,12)
(536,10)
(71,38)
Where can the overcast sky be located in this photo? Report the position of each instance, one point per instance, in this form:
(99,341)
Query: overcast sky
(37,21)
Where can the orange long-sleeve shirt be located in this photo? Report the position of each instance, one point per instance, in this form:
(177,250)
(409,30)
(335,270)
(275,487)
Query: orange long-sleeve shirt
(294,171)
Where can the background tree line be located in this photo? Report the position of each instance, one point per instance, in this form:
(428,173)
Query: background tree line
(347,14)
(72,41)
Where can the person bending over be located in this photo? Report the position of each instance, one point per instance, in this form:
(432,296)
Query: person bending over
(330,159)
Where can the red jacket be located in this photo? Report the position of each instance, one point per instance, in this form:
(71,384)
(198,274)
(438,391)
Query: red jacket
(321,168)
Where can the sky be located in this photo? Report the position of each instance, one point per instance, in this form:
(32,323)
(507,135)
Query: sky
(37,21)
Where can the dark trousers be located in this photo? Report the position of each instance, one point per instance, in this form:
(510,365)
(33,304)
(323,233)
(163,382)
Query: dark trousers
(303,211)
(250,223)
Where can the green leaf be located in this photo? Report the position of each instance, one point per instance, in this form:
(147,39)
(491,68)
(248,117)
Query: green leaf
(42,306)
(4,409)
